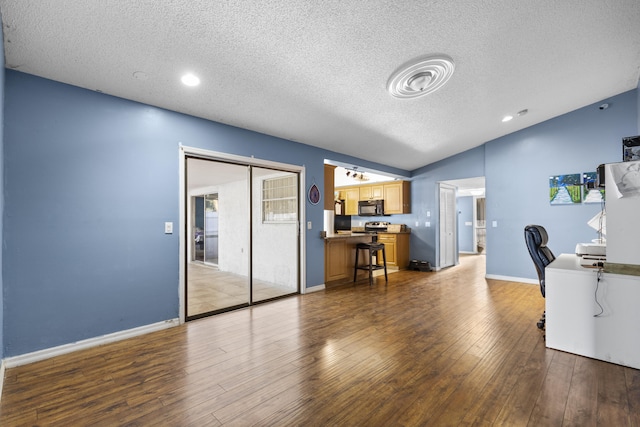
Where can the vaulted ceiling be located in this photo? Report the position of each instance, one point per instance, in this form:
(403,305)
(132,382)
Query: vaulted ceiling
(317,72)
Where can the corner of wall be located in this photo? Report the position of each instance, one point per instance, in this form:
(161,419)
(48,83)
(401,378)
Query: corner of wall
(638,104)
(1,210)
(1,201)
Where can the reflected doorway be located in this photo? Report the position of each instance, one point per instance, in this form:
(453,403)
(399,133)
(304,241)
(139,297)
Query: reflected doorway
(205,228)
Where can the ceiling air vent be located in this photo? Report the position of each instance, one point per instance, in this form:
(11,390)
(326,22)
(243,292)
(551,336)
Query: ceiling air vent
(421,76)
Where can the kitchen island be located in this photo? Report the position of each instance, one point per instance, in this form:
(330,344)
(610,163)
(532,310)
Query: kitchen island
(340,254)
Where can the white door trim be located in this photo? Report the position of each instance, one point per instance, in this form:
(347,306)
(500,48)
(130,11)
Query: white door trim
(183,152)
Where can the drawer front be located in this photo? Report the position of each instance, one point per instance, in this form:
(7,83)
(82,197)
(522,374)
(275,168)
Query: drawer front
(386,238)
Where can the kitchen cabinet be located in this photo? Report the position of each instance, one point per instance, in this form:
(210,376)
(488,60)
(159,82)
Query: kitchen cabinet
(396,247)
(397,197)
(339,258)
(329,182)
(372,192)
(351,196)
(335,260)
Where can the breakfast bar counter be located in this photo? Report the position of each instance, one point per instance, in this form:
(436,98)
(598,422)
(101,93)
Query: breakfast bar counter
(340,252)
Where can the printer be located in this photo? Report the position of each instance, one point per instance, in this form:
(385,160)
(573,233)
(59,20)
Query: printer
(592,254)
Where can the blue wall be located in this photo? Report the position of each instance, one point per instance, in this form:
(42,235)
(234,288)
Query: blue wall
(424,199)
(2,72)
(465,232)
(90,181)
(517,169)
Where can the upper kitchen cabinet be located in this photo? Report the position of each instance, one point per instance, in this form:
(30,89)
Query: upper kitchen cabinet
(397,197)
(351,196)
(371,192)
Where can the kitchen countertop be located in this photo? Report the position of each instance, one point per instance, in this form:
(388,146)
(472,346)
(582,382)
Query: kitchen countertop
(346,234)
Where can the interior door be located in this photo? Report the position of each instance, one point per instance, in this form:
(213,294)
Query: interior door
(448,220)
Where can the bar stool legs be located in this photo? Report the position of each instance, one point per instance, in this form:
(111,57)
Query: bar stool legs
(372,248)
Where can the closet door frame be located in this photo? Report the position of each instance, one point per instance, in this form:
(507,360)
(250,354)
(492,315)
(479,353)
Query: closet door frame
(183,153)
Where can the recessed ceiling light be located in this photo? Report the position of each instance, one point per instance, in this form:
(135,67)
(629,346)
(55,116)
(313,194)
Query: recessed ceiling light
(190,80)
(507,118)
(420,76)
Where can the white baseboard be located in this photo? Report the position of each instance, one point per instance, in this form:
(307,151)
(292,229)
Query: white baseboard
(23,359)
(314,289)
(511,279)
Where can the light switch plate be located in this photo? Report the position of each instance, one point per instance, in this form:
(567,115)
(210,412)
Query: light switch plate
(168,228)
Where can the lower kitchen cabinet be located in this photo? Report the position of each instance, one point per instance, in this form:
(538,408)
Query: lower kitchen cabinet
(396,247)
(335,259)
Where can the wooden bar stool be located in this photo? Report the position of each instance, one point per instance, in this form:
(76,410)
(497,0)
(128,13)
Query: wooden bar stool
(372,248)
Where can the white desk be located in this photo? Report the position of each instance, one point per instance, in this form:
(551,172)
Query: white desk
(614,336)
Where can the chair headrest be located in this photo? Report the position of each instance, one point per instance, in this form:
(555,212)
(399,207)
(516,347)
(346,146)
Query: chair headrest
(538,233)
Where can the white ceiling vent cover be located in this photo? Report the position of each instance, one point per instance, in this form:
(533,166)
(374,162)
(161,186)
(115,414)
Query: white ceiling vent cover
(421,76)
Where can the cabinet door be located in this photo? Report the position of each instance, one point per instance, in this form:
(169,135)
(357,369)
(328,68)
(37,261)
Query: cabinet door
(390,248)
(335,259)
(377,192)
(393,198)
(371,192)
(329,179)
(352,196)
(396,198)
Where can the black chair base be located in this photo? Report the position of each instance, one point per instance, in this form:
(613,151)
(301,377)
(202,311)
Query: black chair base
(372,248)
(542,322)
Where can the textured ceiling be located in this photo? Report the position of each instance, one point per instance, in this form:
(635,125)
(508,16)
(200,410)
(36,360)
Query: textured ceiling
(316,72)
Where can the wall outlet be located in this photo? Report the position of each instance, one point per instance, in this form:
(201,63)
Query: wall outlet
(494,224)
(168,228)
(427,224)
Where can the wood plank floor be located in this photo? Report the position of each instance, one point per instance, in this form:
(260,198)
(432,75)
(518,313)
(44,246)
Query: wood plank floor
(445,348)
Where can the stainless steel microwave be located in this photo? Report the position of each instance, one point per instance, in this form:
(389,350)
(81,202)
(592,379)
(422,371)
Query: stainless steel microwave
(371,208)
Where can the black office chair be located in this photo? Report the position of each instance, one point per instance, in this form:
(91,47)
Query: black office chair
(536,238)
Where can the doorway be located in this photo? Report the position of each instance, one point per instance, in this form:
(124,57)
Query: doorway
(242,241)
(448,221)
(469,216)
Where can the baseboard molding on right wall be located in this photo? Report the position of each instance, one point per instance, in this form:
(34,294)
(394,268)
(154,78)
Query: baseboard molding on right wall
(511,279)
